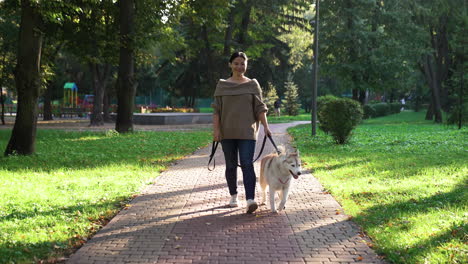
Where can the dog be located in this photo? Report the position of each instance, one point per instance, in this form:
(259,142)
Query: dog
(276,172)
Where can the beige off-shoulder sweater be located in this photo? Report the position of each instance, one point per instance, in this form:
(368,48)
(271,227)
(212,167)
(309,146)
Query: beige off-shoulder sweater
(238,106)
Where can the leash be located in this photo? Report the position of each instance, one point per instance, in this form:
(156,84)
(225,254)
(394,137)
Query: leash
(215,144)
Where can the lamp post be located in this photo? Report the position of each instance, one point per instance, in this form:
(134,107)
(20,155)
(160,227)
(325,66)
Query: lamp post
(315,69)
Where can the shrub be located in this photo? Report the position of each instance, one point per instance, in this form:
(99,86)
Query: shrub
(321,101)
(340,117)
(453,117)
(381,109)
(324,99)
(369,111)
(395,108)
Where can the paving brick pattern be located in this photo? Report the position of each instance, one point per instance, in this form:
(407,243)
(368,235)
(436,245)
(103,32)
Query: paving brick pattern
(183,218)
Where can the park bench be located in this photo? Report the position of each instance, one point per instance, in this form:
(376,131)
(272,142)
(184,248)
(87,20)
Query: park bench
(70,112)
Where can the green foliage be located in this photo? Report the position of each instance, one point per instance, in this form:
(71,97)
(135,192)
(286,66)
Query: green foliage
(458,113)
(291,98)
(403,180)
(321,102)
(269,99)
(395,108)
(339,117)
(369,111)
(381,109)
(53,201)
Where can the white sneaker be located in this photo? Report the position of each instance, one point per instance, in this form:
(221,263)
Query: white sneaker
(233,201)
(251,206)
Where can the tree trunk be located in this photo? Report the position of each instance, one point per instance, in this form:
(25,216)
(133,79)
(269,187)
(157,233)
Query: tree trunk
(228,33)
(207,56)
(434,84)
(126,83)
(106,105)
(224,70)
(245,24)
(443,59)
(362,96)
(2,101)
(430,111)
(99,75)
(27,76)
(47,109)
(352,51)
(2,97)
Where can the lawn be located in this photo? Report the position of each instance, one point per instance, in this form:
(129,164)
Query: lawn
(51,202)
(403,180)
(272,119)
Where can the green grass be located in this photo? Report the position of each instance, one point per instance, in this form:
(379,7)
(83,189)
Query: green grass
(404,180)
(52,201)
(273,119)
(303,116)
(205,110)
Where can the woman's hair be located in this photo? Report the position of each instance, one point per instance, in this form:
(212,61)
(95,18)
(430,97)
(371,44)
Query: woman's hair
(238,54)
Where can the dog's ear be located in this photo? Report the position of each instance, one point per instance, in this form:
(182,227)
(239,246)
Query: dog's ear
(283,156)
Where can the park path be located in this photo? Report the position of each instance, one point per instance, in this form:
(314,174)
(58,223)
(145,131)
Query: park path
(183,218)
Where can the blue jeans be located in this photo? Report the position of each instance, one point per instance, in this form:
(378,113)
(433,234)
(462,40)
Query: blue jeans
(245,149)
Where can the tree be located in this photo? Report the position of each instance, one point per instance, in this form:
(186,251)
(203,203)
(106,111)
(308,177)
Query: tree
(27,76)
(126,83)
(8,39)
(290,101)
(93,24)
(270,97)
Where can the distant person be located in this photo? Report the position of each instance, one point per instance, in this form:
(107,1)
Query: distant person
(277,106)
(238,109)
(403,102)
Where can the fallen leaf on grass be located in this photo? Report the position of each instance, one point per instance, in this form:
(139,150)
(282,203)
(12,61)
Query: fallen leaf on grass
(359,258)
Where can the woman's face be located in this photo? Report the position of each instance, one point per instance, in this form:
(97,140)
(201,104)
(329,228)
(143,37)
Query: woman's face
(238,65)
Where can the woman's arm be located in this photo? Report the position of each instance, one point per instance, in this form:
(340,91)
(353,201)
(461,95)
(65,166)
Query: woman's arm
(216,129)
(263,119)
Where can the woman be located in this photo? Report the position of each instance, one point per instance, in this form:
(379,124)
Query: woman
(238,108)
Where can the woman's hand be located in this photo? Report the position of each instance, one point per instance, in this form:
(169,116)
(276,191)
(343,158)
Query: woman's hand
(267,131)
(216,135)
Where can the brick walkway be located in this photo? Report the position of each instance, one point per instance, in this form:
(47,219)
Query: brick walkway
(183,218)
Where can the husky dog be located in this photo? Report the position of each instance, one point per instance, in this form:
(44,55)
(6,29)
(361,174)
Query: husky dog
(276,172)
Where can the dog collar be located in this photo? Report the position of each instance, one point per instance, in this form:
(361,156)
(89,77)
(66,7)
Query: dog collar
(282,181)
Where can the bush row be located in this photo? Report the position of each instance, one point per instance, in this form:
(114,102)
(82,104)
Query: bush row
(381,109)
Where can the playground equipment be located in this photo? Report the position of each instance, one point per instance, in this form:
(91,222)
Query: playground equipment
(70,95)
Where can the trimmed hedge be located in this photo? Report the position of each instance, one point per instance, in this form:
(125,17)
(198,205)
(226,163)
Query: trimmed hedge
(381,109)
(321,101)
(369,111)
(339,117)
